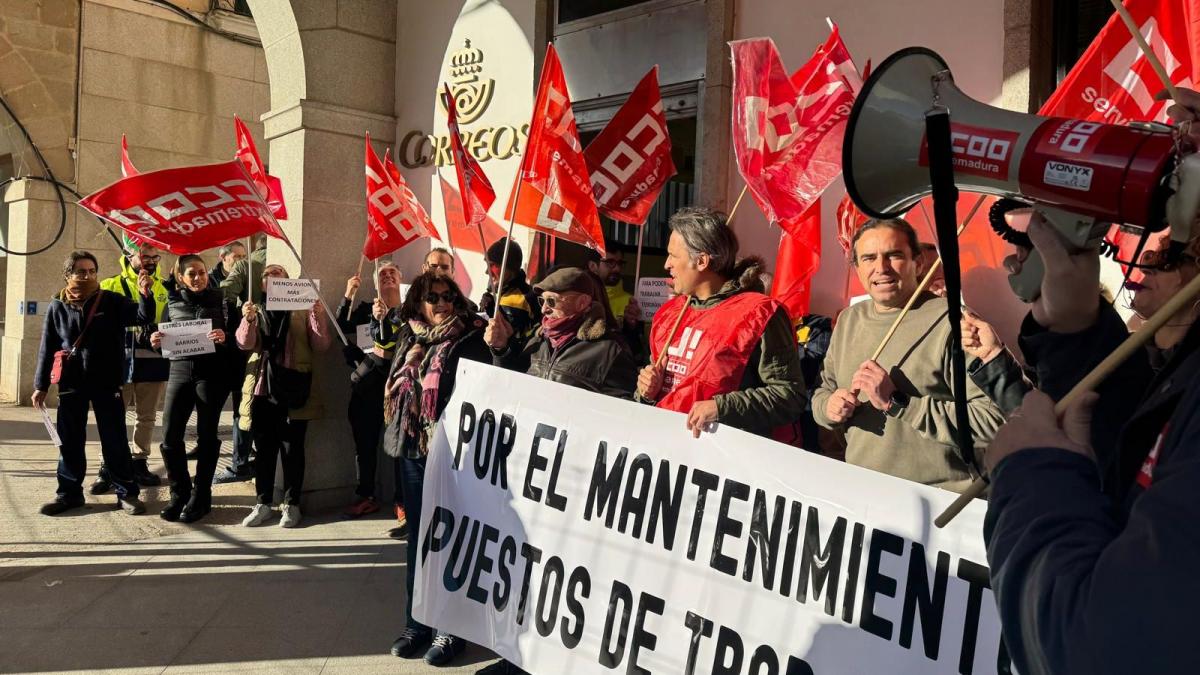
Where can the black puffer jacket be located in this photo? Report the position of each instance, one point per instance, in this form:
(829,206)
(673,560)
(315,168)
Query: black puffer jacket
(596,359)
(211,304)
(470,345)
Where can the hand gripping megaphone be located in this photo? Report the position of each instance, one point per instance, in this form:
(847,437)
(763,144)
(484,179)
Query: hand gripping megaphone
(1080,175)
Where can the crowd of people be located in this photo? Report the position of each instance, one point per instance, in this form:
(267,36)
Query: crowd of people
(1084,527)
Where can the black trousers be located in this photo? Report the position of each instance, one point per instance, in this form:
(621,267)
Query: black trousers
(199,385)
(277,435)
(366,425)
(71,422)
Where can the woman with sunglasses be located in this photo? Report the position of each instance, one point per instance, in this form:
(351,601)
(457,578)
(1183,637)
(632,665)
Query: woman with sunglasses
(435,330)
(197,382)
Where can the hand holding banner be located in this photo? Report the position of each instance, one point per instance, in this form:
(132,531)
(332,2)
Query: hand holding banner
(292,294)
(186,338)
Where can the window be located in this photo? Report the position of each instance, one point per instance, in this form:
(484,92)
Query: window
(1076,24)
(572,10)
(241,7)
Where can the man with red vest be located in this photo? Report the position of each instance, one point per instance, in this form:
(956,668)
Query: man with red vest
(730,352)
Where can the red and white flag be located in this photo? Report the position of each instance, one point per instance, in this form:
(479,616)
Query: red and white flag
(797,261)
(630,160)
(1113,81)
(394,216)
(268,186)
(553,192)
(187,209)
(127,168)
(475,188)
(787,131)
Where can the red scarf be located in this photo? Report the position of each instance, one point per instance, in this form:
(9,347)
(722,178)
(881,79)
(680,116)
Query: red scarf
(560,331)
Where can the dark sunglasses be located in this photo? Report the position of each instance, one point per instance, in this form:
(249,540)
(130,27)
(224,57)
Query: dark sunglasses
(444,296)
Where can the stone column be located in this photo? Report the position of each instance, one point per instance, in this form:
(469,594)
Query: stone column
(332,74)
(713,142)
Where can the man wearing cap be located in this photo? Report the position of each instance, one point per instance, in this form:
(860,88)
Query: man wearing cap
(518,303)
(577,342)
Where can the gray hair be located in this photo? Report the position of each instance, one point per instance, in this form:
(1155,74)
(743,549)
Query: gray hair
(228,248)
(383,265)
(704,230)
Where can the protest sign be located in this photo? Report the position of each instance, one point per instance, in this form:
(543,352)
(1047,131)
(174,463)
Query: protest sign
(291,294)
(653,293)
(363,338)
(186,338)
(51,428)
(576,533)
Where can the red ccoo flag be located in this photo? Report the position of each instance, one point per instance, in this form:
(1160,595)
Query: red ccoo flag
(630,161)
(553,192)
(1113,81)
(797,260)
(474,187)
(394,216)
(187,209)
(268,186)
(788,131)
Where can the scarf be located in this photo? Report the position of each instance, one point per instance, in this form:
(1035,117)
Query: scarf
(559,331)
(411,396)
(78,291)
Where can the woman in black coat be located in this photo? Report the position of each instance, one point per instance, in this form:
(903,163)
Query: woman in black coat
(435,328)
(198,381)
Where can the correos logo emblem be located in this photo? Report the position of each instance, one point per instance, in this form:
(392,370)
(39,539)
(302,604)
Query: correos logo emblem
(472,94)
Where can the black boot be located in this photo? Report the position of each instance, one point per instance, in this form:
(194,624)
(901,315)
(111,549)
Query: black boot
(102,484)
(197,507)
(142,475)
(174,508)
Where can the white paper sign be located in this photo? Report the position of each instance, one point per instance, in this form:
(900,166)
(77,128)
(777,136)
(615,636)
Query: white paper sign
(291,294)
(577,533)
(364,339)
(404,292)
(653,293)
(51,427)
(185,338)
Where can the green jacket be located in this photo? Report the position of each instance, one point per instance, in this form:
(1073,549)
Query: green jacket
(234,285)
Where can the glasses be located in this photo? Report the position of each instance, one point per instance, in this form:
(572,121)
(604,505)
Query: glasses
(151,258)
(613,262)
(444,296)
(437,266)
(83,274)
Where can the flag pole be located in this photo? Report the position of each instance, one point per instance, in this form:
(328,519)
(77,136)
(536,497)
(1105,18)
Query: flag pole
(249,269)
(512,221)
(328,312)
(1146,50)
(737,203)
(637,274)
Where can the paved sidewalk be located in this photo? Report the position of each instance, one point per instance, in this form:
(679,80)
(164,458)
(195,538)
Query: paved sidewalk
(103,591)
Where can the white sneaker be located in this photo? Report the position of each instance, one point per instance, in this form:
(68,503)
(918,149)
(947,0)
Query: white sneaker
(291,515)
(258,515)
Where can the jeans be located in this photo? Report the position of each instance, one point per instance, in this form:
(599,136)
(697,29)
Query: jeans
(191,387)
(109,409)
(143,398)
(412,473)
(276,435)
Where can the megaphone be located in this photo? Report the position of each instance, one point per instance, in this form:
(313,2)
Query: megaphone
(1080,175)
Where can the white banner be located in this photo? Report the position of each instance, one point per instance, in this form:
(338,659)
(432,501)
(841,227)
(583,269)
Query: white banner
(186,338)
(652,293)
(291,294)
(575,533)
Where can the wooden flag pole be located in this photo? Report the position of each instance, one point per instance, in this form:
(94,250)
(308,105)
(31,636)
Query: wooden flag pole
(1132,344)
(249,269)
(1149,53)
(637,273)
(671,337)
(736,204)
(512,221)
(328,312)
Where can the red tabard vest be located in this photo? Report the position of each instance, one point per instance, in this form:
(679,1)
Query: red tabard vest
(711,347)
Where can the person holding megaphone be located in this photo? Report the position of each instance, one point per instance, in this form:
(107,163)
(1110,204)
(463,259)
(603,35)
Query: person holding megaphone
(1091,525)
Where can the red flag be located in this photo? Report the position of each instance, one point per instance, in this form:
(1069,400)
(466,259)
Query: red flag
(268,186)
(797,260)
(1113,82)
(187,209)
(474,187)
(394,216)
(553,193)
(630,161)
(127,168)
(464,236)
(788,131)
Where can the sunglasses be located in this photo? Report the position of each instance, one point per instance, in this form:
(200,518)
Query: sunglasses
(444,296)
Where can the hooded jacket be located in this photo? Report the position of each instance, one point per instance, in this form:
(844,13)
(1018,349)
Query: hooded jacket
(595,359)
